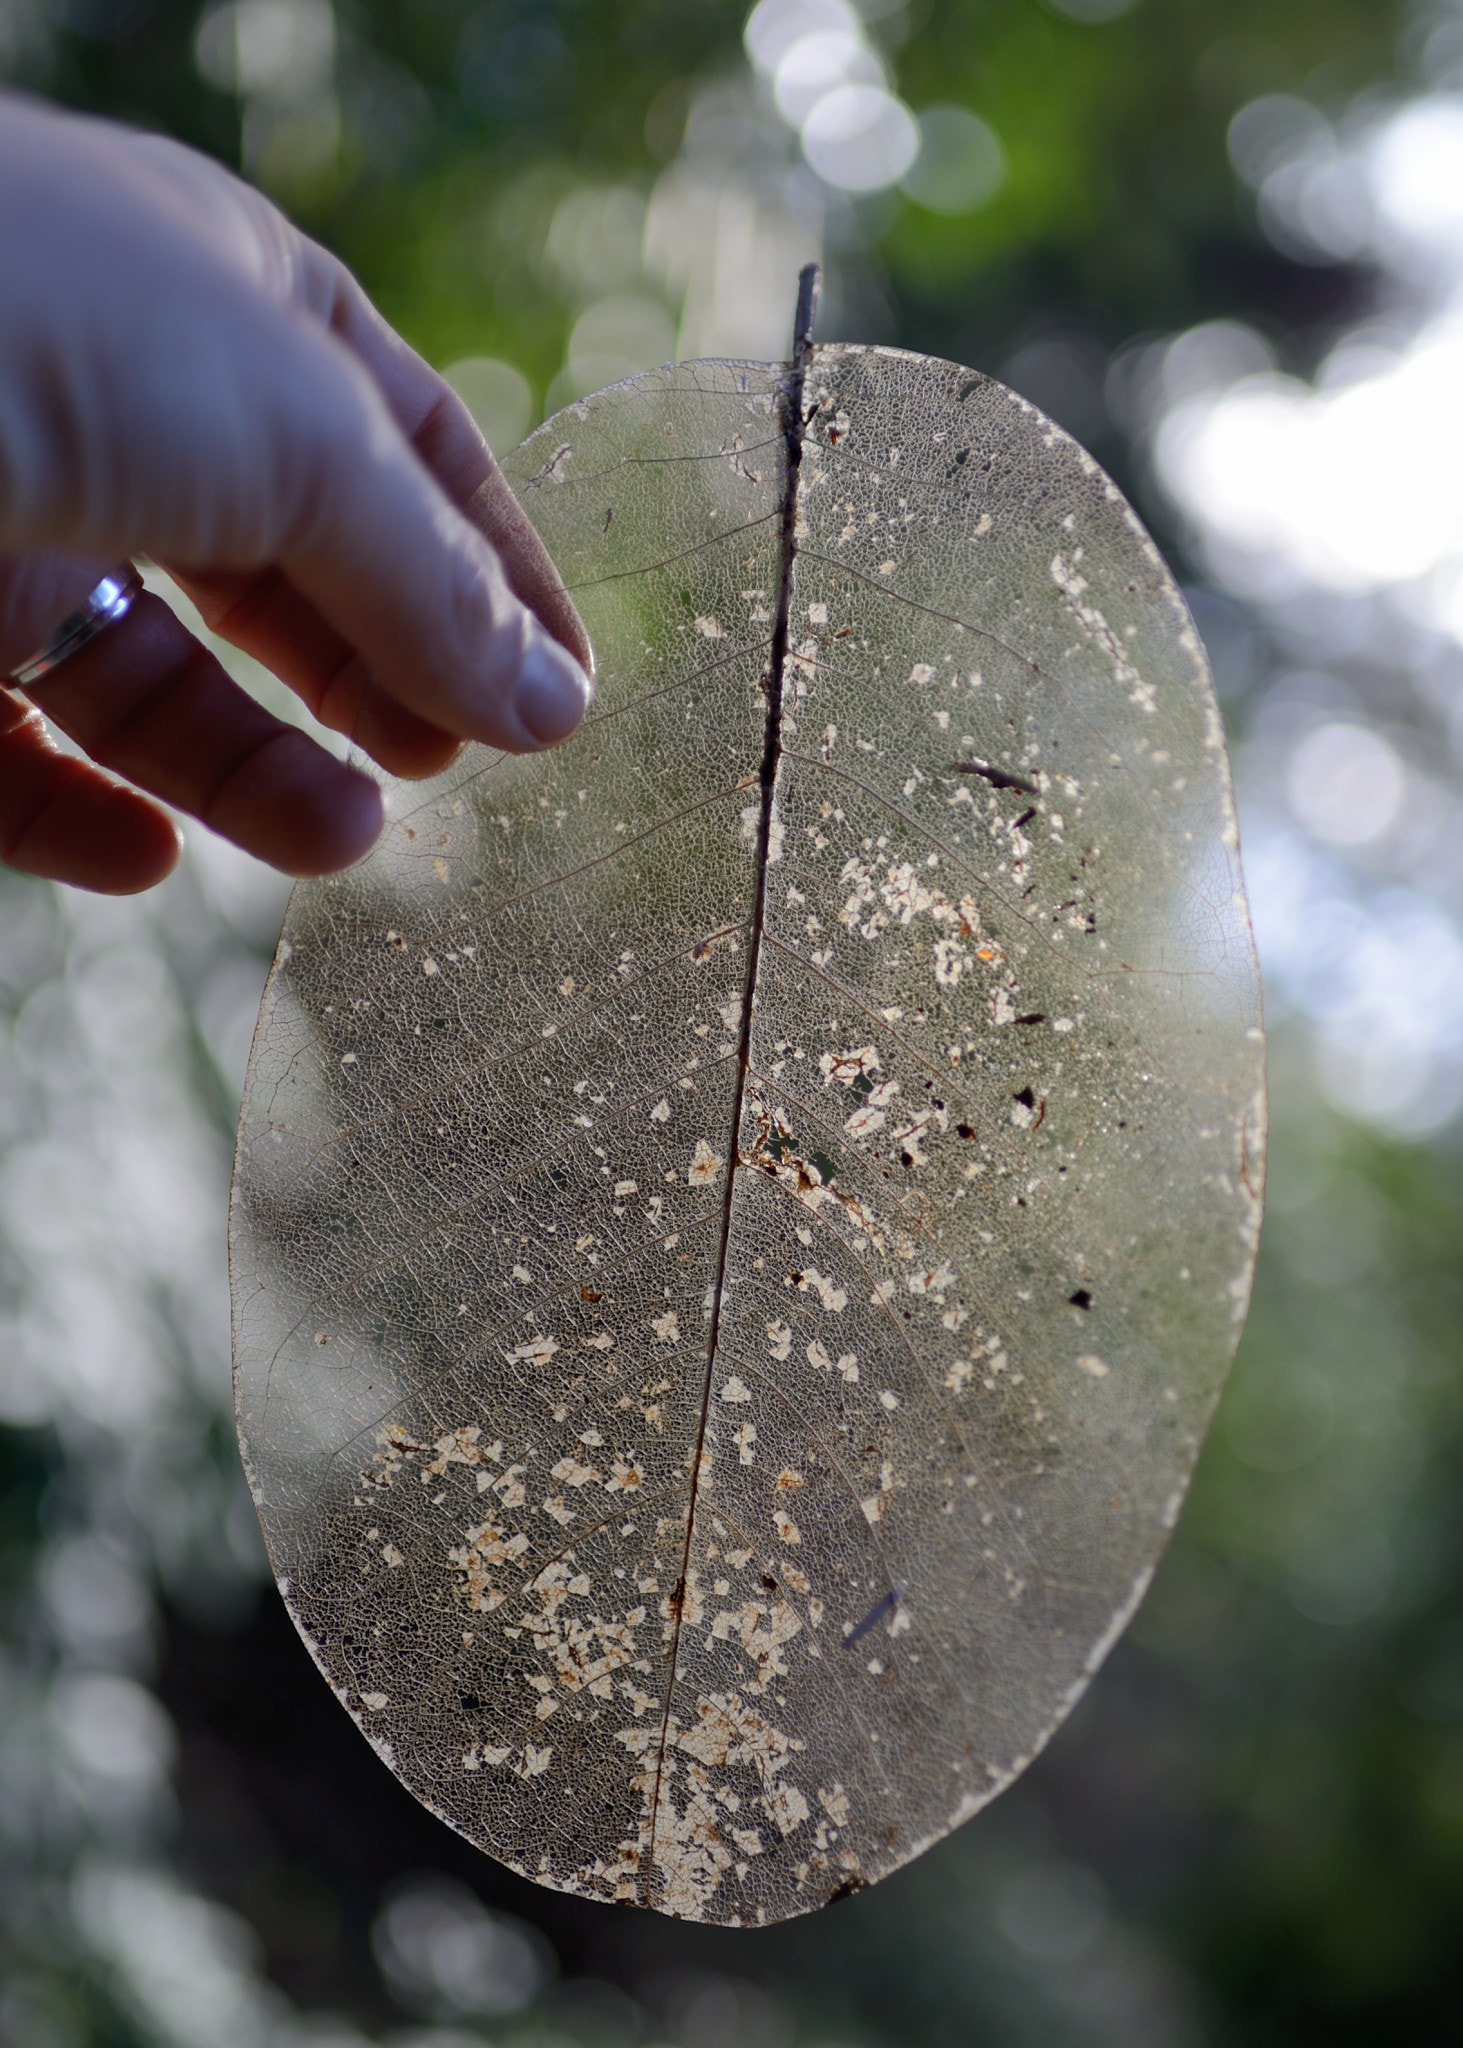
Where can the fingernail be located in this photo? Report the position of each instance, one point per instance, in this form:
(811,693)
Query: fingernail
(553,691)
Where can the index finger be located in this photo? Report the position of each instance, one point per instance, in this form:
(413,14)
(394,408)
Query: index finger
(271,618)
(443,432)
(266,615)
(360,527)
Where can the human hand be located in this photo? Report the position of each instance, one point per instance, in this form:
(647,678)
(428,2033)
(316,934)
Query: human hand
(183,374)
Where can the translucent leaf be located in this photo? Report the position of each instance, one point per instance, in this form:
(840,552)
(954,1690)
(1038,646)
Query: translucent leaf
(741,1221)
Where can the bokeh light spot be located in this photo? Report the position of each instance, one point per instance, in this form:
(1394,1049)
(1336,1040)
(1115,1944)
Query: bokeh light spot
(860,138)
(1346,784)
(961,165)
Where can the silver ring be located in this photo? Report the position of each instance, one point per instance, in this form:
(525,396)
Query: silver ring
(109,602)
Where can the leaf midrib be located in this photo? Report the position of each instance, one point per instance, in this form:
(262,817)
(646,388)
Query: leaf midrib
(792,427)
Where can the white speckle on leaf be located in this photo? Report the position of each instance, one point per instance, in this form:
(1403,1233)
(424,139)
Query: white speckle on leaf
(833,1297)
(1074,588)
(835,1804)
(865,1121)
(572,1472)
(536,1351)
(787,1807)
(705,1165)
(847,1066)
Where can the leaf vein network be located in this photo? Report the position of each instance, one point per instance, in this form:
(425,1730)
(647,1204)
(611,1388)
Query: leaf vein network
(681,555)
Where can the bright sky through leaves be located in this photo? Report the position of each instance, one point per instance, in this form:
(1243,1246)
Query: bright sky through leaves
(1332,505)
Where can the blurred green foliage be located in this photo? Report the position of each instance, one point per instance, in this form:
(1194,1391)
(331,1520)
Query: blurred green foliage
(464,119)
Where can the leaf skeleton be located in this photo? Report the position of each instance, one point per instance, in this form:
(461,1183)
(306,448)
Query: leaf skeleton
(631,1400)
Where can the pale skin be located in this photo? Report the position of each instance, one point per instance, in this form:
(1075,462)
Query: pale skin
(185,376)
